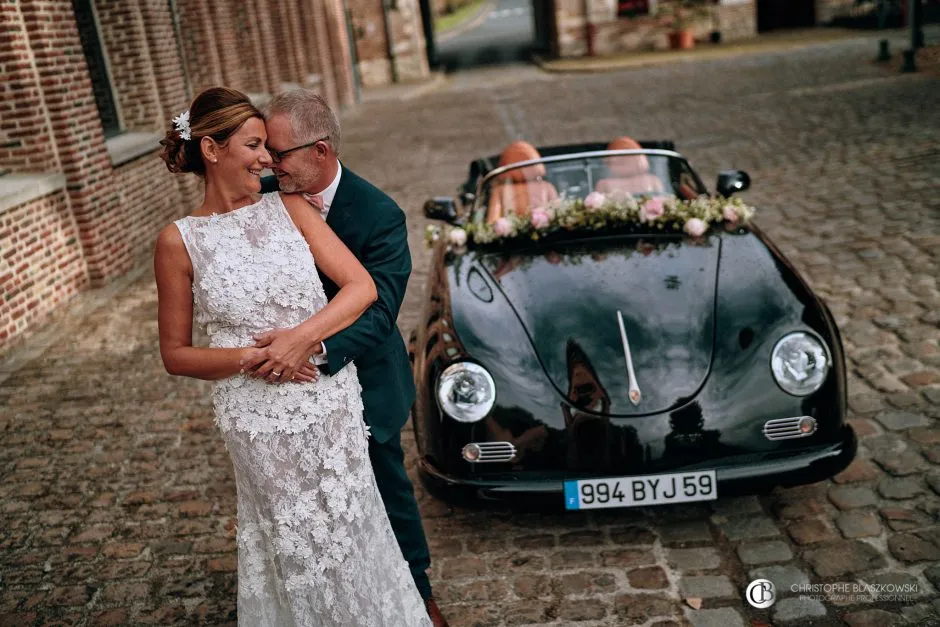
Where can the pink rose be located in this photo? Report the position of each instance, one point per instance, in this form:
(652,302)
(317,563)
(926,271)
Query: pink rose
(540,218)
(652,209)
(730,213)
(502,227)
(594,200)
(695,227)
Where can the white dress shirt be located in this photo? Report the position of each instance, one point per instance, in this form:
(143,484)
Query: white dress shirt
(327,195)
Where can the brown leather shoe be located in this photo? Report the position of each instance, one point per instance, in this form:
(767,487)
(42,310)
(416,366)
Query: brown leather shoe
(437,619)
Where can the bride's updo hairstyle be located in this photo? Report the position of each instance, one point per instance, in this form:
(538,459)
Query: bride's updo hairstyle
(217,113)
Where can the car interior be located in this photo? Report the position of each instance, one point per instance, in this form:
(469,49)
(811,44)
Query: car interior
(516,191)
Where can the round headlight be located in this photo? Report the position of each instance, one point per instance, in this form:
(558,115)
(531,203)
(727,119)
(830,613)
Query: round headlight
(466,392)
(800,363)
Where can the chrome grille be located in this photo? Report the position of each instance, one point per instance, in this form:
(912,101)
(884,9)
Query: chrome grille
(495,452)
(787,428)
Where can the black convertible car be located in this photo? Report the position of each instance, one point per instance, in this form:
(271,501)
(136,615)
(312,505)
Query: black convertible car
(599,328)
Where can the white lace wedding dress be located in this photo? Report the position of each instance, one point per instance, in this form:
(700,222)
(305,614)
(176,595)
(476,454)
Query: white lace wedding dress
(315,546)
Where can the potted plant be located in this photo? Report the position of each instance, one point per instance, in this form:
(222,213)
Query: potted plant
(680,15)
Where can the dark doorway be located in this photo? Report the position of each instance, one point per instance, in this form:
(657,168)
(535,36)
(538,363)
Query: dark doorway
(777,14)
(546,32)
(427,24)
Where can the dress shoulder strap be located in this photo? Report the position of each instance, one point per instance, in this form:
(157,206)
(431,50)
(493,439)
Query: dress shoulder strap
(278,210)
(191,242)
(184,226)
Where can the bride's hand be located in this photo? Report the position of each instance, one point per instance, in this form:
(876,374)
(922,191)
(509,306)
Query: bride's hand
(283,356)
(307,373)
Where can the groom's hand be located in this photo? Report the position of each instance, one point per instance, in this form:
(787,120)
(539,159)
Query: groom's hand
(284,357)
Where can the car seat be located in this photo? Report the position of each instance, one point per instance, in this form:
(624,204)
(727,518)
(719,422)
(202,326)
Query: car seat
(520,189)
(628,173)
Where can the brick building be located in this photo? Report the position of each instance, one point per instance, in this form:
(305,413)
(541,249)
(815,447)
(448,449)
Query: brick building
(89,87)
(600,27)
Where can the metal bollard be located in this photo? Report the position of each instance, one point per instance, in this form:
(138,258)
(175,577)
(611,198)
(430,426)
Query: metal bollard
(909,63)
(884,54)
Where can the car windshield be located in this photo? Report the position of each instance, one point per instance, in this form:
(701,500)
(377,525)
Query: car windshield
(519,188)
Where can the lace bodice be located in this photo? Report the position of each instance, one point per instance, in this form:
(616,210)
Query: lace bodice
(252,271)
(315,546)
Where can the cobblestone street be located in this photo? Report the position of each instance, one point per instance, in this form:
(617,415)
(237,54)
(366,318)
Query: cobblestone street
(117,501)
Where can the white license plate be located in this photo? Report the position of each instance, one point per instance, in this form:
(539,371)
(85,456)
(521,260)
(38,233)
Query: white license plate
(680,487)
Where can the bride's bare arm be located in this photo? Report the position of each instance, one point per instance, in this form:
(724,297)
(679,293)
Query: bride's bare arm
(356,292)
(356,288)
(174,273)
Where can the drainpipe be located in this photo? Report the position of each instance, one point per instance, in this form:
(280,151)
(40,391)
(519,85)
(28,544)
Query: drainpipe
(353,54)
(388,5)
(589,28)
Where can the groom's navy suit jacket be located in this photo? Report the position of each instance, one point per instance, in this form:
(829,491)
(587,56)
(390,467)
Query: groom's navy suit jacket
(373,227)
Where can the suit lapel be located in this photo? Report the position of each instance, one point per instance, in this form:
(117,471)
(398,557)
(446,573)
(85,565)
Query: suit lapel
(340,220)
(339,214)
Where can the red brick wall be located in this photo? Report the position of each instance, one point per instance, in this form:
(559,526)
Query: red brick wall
(199,47)
(232,52)
(25,144)
(318,42)
(271,55)
(244,38)
(151,199)
(293,21)
(77,132)
(369,29)
(282,46)
(169,80)
(107,218)
(132,73)
(339,50)
(372,28)
(41,266)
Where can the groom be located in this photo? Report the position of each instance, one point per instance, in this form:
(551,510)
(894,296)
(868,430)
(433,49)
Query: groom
(304,141)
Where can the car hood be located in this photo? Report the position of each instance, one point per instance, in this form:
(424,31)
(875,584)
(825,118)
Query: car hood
(567,299)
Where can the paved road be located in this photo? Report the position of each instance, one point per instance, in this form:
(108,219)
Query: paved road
(505,36)
(117,499)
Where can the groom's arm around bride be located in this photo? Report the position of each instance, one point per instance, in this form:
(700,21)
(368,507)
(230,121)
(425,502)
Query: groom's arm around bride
(304,142)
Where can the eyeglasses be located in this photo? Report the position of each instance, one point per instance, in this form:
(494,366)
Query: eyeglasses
(278,155)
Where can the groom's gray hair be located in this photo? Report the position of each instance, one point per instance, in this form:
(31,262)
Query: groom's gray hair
(310,116)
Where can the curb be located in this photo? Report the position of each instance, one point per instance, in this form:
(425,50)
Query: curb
(485,9)
(654,59)
(439,78)
(403,91)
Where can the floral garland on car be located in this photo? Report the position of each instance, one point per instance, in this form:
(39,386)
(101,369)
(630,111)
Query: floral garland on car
(604,211)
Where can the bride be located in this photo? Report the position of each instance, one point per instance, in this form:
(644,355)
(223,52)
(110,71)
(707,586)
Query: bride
(315,546)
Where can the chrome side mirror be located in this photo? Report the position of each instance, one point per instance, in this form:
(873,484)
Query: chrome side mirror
(466,200)
(441,208)
(731,181)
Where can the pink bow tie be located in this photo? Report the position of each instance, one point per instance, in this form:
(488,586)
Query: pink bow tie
(316,200)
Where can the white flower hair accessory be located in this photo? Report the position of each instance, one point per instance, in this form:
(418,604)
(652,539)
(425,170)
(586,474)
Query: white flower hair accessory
(181,124)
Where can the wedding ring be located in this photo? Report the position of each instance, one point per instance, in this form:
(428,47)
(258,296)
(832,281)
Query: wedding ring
(276,374)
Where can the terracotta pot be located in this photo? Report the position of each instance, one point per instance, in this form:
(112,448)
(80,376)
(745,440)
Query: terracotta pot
(681,40)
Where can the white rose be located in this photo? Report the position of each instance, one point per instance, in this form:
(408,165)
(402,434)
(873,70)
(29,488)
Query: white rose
(457,237)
